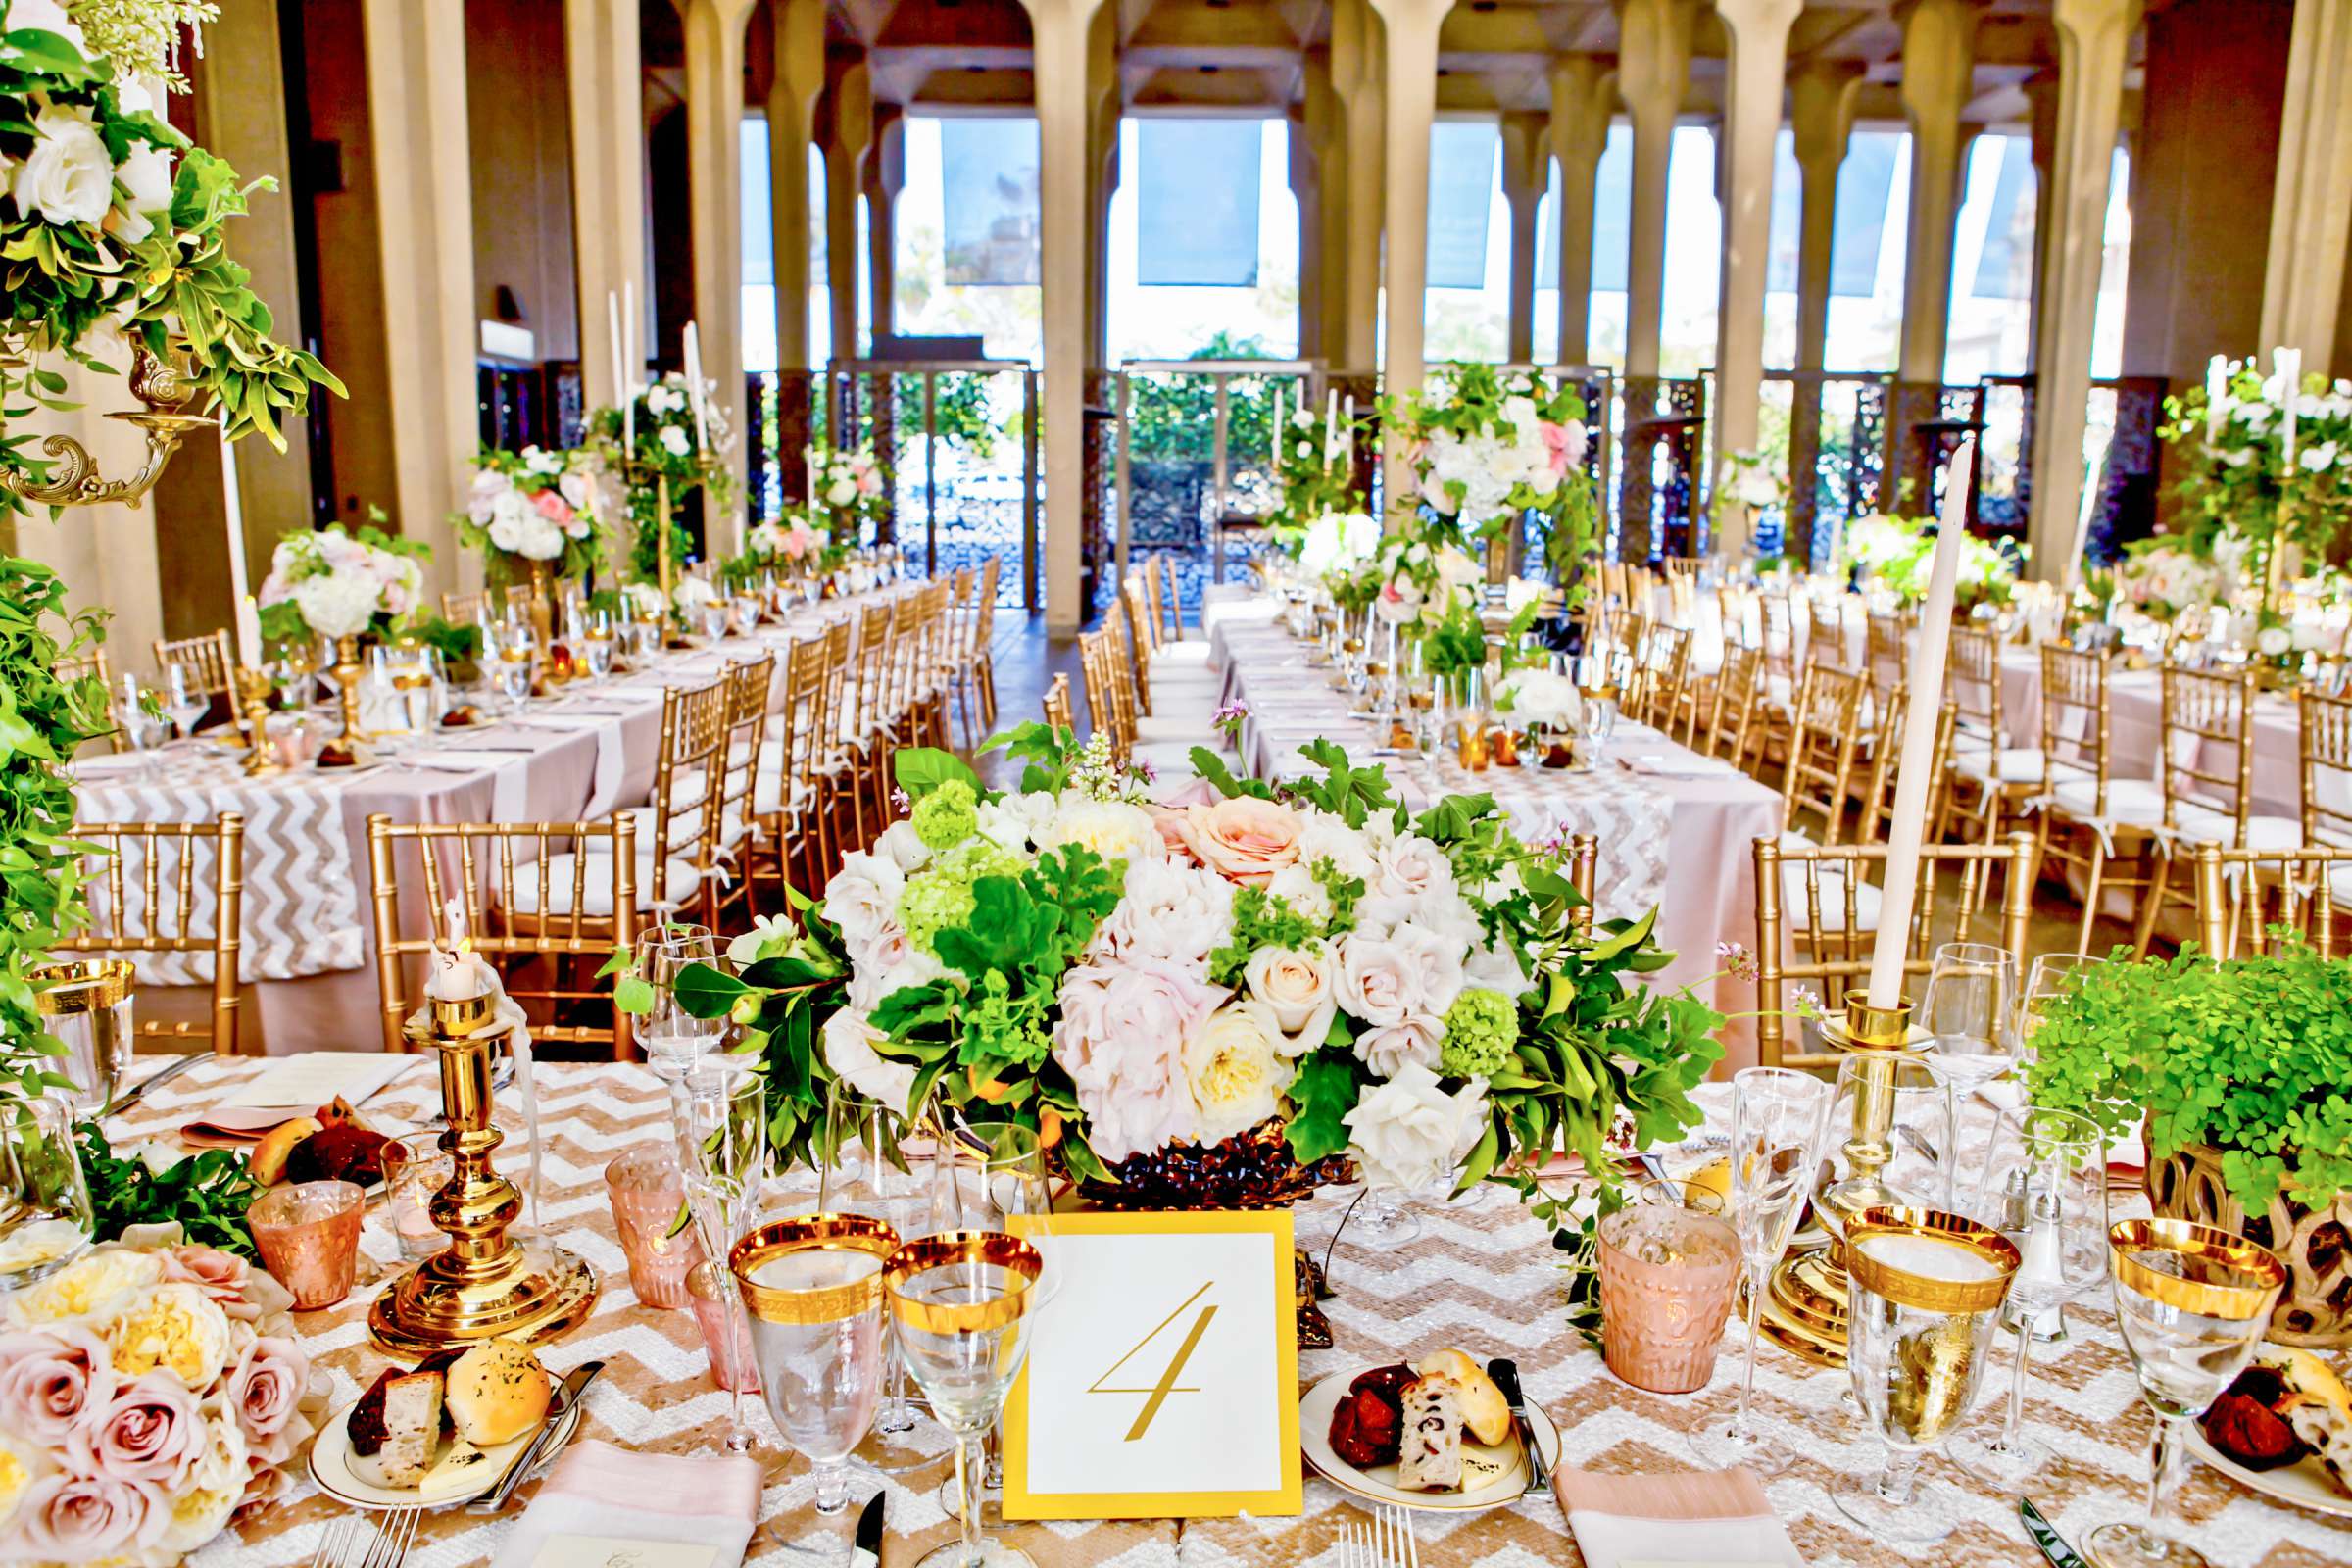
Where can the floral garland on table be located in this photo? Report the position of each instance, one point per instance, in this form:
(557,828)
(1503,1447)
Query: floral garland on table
(1129,976)
(149,1392)
(538,505)
(329,583)
(2236,479)
(660,441)
(1489,449)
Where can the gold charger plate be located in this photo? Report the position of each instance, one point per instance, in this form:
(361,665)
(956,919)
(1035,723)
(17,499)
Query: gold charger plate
(2305,1484)
(1506,1484)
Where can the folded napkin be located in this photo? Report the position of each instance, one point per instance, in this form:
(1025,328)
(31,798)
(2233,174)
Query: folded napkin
(1717,1517)
(604,1498)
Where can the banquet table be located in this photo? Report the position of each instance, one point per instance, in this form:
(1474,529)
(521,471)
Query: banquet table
(1481,1276)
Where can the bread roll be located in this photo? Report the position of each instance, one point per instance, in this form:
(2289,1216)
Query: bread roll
(497,1391)
(1429,1450)
(1485,1411)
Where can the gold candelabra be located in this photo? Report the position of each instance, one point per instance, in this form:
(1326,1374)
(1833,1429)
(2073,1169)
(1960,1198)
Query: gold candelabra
(165,387)
(344,750)
(486,1284)
(253,715)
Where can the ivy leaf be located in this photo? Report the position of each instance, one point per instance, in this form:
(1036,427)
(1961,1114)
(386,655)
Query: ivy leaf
(1326,1090)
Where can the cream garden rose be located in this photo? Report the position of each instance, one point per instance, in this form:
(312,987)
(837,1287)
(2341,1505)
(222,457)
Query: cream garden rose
(1113,829)
(1242,838)
(66,178)
(1234,1072)
(1410,1132)
(1296,987)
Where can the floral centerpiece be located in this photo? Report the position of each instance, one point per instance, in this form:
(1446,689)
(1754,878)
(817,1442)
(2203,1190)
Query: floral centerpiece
(1490,449)
(149,1392)
(2167,576)
(1308,969)
(329,583)
(1897,553)
(2281,483)
(773,545)
(1314,477)
(1749,484)
(846,499)
(535,511)
(671,441)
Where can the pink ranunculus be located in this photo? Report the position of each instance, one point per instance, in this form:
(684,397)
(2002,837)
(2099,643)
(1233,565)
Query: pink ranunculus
(152,1431)
(1243,837)
(798,540)
(70,1518)
(554,508)
(264,1390)
(1564,443)
(223,1276)
(51,1380)
(1121,1039)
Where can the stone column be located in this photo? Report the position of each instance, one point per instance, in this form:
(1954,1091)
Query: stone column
(794,87)
(1653,71)
(1305,174)
(2310,205)
(1940,39)
(1057,38)
(607,178)
(2041,104)
(2094,39)
(1359,76)
(1821,105)
(1412,94)
(1525,164)
(885,177)
(713,127)
(848,130)
(1757,31)
(416,116)
(1583,99)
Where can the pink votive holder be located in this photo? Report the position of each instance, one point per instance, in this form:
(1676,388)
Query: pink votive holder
(718,1309)
(1667,1276)
(648,1191)
(308,1237)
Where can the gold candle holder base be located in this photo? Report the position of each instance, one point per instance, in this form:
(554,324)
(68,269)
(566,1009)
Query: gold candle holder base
(486,1284)
(253,715)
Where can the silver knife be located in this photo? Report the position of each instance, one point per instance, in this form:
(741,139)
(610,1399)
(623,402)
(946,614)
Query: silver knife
(2045,1536)
(131,1097)
(575,1384)
(1505,1373)
(866,1546)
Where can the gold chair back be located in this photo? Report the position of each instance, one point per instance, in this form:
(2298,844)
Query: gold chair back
(2206,751)
(2243,894)
(209,655)
(1057,704)
(168,887)
(2074,717)
(1825,738)
(2323,726)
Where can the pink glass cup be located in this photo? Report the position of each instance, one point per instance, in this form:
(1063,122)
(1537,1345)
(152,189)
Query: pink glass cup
(710,1292)
(1667,1276)
(308,1237)
(648,1191)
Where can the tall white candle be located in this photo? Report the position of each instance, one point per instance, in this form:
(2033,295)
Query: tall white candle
(633,358)
(694,388)
(1919,740)
(2217,387)
(1282,393)
(612,327)
(2288,362)
(232,505)
(1331,423)
(248,632)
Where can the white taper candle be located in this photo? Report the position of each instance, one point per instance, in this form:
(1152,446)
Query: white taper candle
(1331,423)
(694,388)
(612,327)
(2288,362)
(233,508)
(2217,387)
(633,360)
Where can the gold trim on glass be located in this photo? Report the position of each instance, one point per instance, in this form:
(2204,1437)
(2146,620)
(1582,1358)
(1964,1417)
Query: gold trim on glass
(1930,1293)
(2203,1245)
(950,1247)
(811,1233)
(68,990)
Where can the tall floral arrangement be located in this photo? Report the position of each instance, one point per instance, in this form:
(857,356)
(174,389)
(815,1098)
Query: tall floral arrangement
(2232,441)
(535,506)
(847,494)
(1314,477)
(330,583)
(1750,483)
(1897,553)
(1489,449)
(2169,575)
(657,442)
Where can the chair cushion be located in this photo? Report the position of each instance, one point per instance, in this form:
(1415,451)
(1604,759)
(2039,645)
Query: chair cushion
(683,825)
(769,797)
(2132,801)
(2339,886)
(1830,888)
(2268,835)
(1159,728)
(1192,652)
(677,884)
(2011,765)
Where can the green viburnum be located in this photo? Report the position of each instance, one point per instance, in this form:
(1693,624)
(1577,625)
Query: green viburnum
(941,893)
(947,817)
(1481,1029)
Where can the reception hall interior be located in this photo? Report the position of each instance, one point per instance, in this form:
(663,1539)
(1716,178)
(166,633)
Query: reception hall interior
(1610,740)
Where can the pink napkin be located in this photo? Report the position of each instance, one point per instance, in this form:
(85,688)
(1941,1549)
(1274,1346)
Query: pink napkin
(605,1494)
(1718,1517)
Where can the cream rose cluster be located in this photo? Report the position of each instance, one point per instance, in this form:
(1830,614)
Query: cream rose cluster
(340,584)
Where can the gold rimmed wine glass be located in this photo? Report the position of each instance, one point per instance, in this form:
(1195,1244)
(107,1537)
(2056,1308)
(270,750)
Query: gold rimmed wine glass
(2193,1302)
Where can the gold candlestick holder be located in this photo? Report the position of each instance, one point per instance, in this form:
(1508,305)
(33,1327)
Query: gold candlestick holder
(486,1284)
(253,717)
(1804,1310)
(344,750)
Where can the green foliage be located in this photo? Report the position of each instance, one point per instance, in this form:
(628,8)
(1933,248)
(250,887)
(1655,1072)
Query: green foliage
(1174,418)
(778,1002)
(958,412)
(1458,644)
(1049,754)
(920,769)
(1345,790)
(1210,766)
(2252,1056)
(1326,1090)
(458,646)
(1260,919)
(208,1194)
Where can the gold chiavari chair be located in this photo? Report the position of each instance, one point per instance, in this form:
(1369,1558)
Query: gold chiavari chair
(843,779)
(1824,741)
(799,778)
(89,666)
(1169,644)
(677,832)
(1190,690)
(168,887)
(1173,609)
(1886,649)
(545,903)
(1817,917)
(1057,704)
(1682,589)
(978,675)
(2242,893)
(859,708)
(1996,777)
(747,685)
(209,656)
(2324,737)
(1877,821)
(1095,676)
(1669,700)
(2087,818)
(1732,705)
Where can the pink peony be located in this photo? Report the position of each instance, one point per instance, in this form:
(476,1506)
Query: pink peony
(1565,444)
(50,1381)
(70,1518)
(554,508)
(150,1432)
(1245,838)
(798,540)
(264,1390)
(1121,1039)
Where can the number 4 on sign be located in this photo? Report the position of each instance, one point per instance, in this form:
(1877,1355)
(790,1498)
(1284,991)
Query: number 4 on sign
(1158,1391)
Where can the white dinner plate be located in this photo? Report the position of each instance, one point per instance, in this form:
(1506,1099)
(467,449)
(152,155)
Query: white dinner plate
(2306,1484)
(330,1466)
(1379,1484)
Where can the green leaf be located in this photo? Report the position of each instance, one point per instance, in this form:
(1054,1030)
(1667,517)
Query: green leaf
(706,991)
(920,769)
(1210,766)
(1326,1090)
(633,996)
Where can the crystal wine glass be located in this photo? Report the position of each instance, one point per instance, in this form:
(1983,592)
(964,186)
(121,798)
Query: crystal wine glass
(673,1037)
(43,1196)
(139,711)
(1969,1008)
(714,620)
(597,644)
(1779,1117)
(722,1133)
(185,701)
(517,647)
(2053,975)
(812,1290)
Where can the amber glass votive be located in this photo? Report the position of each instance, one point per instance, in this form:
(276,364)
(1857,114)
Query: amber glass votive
(1667,1276)
(649,1190)
(308,1237)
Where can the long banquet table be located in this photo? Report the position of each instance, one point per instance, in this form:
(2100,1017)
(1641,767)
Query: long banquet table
(1481,1277)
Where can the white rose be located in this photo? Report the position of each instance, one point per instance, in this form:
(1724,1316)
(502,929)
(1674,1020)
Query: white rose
(339,603)
(1392,1048)
(863,896)
(1409,1132)
(2274,641)
(1231,1066)
(848,1044)
(768,936)
(903,846)
(1013,822)
(674,440)
(146,173)
(1432,945)
(481,497)
(66,178)
(1173,911)
(1494,968)
(1379,982)
(1297,887)
(1326,836)
(1295,984)
(209,1493)
(888,962)
(841,491)
(579,492)
(1113,829)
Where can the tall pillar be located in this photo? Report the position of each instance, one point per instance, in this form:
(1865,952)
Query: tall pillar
(1412,94)
(1583,99)
(1525,164)
(794,87)
(1757,31)
(848,130)
(416,116)
(713,128)
(1306,141)
(1653,71)
(608,177)
(1057,42)
(1359,75)
(2042,120)
(885,177)
(1821,101)
(1104,102)
(2311,205)
(1939,47)
(2094,41)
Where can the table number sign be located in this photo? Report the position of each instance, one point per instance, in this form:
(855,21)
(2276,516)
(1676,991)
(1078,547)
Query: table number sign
(1162,1379)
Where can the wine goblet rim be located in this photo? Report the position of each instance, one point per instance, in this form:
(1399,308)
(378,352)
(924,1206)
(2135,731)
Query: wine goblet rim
(991,1247)
(811,1233)
(1930,1293)
(2212,1299)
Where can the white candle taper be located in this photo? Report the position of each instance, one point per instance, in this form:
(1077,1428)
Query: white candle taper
(248,632)
(2288,364)
(2217,387)
(1919,739)
(694,388)
(633,358)
(612,327)
(1274,427)
(1331,423)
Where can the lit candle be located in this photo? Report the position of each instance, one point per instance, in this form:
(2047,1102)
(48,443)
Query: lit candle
(1331,423)
(2288,362)
(249,633)
(694,388)
(2217,387)
(612,326)
(1919,741)
(458,973)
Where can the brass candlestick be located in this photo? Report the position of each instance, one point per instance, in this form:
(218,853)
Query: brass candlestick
(1804,1310)
(486,1284)
(253,714)
(344,750)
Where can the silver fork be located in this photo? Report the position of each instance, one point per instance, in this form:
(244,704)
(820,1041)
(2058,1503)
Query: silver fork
(367,1541)
(1385,1542)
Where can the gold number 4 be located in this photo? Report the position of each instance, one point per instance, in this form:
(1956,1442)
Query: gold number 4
(1158,1391)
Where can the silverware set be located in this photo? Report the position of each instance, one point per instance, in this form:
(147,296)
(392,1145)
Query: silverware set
(1386,1541)
(368,1540)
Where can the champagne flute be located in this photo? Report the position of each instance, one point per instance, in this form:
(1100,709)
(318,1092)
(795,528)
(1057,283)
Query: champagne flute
(963,1302)
(139,715)
(43,1192)
(1778,1119)
(515,647)
(722,1133)
(597,643)
(994,1180)
(674,1039)
(1969,1008)
(1924,1288)
(2052,976)
(812,1290)
(2193,1302)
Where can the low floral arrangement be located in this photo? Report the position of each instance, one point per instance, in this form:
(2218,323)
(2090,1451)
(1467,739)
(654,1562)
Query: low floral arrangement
(535,506)
(782,545)
(2238,476)
(1897,553)
(149,1392)
(1132,976)
(2167,576)
(329,583)
(659,441)
(1489,449)
(845,493)
(1314,477)
(1539,697)
(1749,481)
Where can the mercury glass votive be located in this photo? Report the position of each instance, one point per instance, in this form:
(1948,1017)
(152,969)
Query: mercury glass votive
(648,1188)
(1667,1278)
(308,1237)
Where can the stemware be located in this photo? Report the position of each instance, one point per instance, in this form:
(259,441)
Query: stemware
(723,1131)
(1924,1288)
(45,1218)
(1778,1119)
(813,1291)
(1969,1006)
(596,644)
(517,647)
(2052,976)
(2044,1188)
(715,616)
(185,699)
(139,711)
(2192,1301)
(673,1037)
(1912,1161)
(963,1302)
